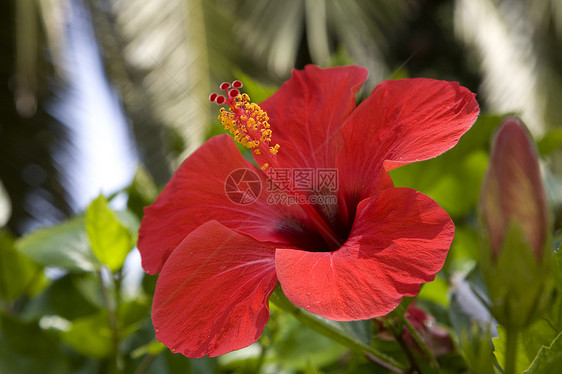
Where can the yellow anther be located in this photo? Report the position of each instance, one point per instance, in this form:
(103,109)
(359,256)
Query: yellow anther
(274,149)
(248,123)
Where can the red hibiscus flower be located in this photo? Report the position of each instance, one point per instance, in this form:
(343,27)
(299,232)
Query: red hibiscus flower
(219,261)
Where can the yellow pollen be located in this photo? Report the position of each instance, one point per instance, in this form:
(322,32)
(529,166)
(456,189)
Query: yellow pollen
(248,123)
(274,149)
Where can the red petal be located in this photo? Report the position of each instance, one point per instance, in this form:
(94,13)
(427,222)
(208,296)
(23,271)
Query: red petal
(212,295)
(399,240)
(308,111)
(404,121)
(196,194)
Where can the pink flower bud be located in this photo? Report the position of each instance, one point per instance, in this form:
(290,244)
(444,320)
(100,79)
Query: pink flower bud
(513,192)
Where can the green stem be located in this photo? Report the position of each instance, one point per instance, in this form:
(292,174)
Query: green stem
(113,323)
(15,306)
(265,342)
(413,363)
(145,364)
(119,360)
(511,350)
(318,325)
(383,364)
(396,327)
(421,343)
(261,359)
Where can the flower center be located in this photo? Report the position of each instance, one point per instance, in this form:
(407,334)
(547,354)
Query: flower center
(245,120)
(250,127)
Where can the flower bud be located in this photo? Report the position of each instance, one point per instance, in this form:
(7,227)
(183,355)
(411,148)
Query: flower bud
(513,189)
(514,227)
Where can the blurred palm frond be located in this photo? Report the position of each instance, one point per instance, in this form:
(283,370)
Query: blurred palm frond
(520,75)
(276,31)
(29,134)
(158,54)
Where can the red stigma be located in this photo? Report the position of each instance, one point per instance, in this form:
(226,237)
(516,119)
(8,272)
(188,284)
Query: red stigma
(231,91)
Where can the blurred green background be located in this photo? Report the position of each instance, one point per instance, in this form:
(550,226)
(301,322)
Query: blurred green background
(93,89)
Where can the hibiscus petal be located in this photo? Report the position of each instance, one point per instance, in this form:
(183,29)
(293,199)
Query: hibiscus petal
(196,194)
(399,240)
(212,295)
(401,122)
(308,111)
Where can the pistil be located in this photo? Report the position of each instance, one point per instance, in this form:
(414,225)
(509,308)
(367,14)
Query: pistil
(249,125)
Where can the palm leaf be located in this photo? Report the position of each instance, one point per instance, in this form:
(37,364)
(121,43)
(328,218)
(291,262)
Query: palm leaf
(29,135)
(516,55)
(158,54)
(274,30)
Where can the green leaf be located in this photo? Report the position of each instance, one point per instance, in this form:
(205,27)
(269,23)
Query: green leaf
(549,359)
(544,330)
(142,191)
(517,281)
(132,314)
(20,336)
(18,274)
(89,287)
(153,348)
(500,343)
(129,220)
(310,369)
(257,91)
(464,251)
(476,346)
(248,357)
(344,333)
(109,238)
(64,246)
(26,348)
(285,343)
(453,179)
(435,291)
(90,336)
(143,185)
(293,348)
(63,298)
(340,58)
(551,141)
(557,268)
